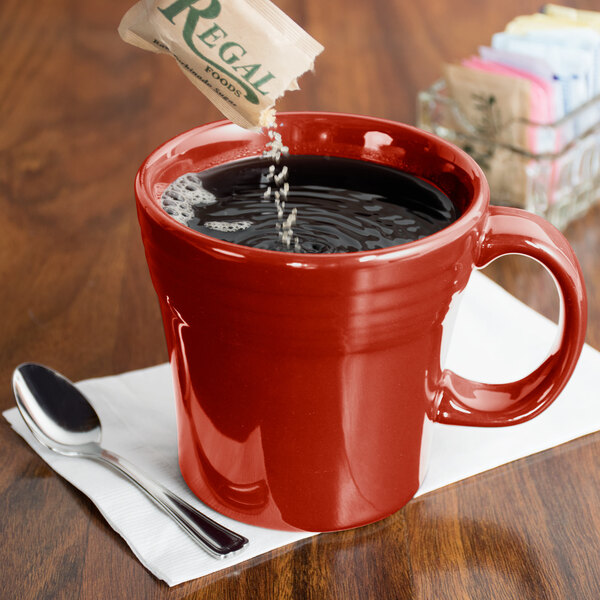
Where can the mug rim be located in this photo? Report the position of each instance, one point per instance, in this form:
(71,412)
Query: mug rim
(479,201)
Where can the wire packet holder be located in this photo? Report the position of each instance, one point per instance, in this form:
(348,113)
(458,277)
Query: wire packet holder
(560,181)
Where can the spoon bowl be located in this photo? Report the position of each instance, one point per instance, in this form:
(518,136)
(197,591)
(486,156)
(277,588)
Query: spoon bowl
(57,413)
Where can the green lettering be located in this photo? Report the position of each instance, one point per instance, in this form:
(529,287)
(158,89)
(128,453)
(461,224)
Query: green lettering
(232,58)
(249,71)
(213,34)
(211,12)
(256,85)
(189,27)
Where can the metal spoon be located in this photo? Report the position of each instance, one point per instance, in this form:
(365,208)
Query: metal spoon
(62,418)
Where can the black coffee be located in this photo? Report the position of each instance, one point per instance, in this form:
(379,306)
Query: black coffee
(343,205)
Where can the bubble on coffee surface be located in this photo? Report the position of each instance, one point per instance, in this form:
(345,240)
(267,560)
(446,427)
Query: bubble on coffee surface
(227,226)
(180,197)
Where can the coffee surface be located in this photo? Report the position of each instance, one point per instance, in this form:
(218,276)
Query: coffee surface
(343,205)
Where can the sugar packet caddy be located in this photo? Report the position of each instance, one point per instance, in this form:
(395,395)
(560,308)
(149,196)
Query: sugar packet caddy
(242,54)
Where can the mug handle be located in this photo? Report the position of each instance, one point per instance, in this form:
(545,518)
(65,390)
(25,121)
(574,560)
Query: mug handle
(466,402)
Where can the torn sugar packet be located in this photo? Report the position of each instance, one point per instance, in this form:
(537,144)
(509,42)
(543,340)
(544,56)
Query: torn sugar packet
(242,54)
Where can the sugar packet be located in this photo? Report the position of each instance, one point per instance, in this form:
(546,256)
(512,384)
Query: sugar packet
(242,54)
(541,100)
(494,108)
(536,67)
(587,18)
(573,65)
(493,103)
(537,21)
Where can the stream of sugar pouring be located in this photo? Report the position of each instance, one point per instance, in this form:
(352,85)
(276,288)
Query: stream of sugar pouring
(280,189)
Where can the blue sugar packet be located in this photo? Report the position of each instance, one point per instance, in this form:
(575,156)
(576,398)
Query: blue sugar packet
(583,38)
(573,67)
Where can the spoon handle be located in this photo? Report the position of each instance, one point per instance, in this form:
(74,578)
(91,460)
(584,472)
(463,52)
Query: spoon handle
(216,539)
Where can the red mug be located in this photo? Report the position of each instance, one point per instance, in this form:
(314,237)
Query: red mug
(306,383)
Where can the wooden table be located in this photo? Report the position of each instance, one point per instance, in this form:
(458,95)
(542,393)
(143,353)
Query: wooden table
(80,110)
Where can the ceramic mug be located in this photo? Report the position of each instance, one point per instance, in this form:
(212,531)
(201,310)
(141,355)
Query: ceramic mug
(306,384)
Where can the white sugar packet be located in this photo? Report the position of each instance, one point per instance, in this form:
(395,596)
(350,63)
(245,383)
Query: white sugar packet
(573,65)
(242,54)
(497,338)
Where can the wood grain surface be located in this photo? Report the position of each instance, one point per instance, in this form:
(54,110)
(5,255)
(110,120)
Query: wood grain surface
(80,110)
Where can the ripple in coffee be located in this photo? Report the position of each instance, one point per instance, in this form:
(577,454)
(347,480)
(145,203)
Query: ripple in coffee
(343,205)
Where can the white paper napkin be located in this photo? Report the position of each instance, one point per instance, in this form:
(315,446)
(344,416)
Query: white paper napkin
(497,338)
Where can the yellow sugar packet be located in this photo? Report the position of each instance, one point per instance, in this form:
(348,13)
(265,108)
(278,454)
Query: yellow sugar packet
(537,21)
(242,54)
(585,18)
